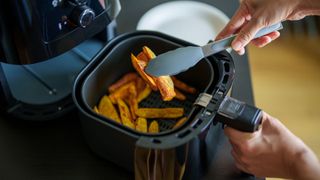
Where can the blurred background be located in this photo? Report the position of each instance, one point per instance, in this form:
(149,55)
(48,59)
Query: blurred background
(286,79)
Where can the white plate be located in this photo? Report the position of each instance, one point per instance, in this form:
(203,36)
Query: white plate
(188,20)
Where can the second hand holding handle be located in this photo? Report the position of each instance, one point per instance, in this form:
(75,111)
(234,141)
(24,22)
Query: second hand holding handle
(232,112)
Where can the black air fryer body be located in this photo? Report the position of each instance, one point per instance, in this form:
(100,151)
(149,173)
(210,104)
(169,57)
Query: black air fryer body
(36,30)
(43,46)
(193,144)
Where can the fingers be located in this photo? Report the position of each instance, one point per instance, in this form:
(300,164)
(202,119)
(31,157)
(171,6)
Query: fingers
(263,41)
(239,163)
(241,51)
(267,151)
(240,155)
(239,18)
(246,34)
(237,136)
(235,148)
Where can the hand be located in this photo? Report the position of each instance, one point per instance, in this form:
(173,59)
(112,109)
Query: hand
(273,151)
(253,15)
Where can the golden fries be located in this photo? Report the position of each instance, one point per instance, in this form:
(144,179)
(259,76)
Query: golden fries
(121,93)
(125,114)
(142,56)
(107,109)
(163,83)
(132,88)
(153,127)
(133,104)
(140,85)
(180,122)
(141,125)
(147,51)
(139,65)
(160,112)
(166,88)
(183,86)
(144,93)
(95,109)
(132,101)
(124,80)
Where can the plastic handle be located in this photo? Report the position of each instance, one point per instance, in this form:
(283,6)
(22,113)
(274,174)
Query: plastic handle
(269,29)
(225,43)
(239,115)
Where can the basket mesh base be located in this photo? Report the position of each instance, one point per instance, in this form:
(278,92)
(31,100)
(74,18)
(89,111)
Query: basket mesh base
(154,101)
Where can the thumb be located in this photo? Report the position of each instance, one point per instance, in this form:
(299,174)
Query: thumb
(246,34)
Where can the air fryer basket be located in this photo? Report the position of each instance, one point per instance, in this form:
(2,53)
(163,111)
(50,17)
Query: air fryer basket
(117,143)
(107,73)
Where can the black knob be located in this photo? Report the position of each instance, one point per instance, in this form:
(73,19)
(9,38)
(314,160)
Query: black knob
(83,15)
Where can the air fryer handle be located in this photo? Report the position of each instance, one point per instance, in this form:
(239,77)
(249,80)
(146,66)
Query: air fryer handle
(239,115)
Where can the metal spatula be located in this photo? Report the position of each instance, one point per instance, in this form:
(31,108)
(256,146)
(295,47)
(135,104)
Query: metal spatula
(181,59)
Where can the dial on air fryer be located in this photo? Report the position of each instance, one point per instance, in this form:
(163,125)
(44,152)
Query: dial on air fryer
(82,15)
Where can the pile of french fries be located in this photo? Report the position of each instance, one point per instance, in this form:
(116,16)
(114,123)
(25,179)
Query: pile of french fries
(122,102)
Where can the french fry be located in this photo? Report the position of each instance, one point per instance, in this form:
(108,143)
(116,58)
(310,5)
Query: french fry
(133,104)
(179,95)
(132,101)
(121,93)
(125,114)
(96,110)
(141,125)
(107,109)
(140,85)
(180,122)
(142,56)
(153,127)
(133,88)
(144,93)
(124,80)
(147,51)
(139,65)
(183,86)
(164,83)
(160,112)
(166,87)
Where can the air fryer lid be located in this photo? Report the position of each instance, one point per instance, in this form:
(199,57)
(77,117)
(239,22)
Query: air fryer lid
(213,78)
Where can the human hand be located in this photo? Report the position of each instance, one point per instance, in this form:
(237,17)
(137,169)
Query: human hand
(253,15)
(273,151)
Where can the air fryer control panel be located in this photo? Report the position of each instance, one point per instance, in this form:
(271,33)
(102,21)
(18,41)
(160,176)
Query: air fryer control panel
(37,30)
(63,16)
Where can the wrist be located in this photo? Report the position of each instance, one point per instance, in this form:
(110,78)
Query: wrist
(305,165)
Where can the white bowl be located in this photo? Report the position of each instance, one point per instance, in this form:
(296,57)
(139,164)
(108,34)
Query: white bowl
(188,20)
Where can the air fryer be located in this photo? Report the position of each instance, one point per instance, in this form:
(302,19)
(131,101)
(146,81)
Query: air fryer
(43,46)
(193,143)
